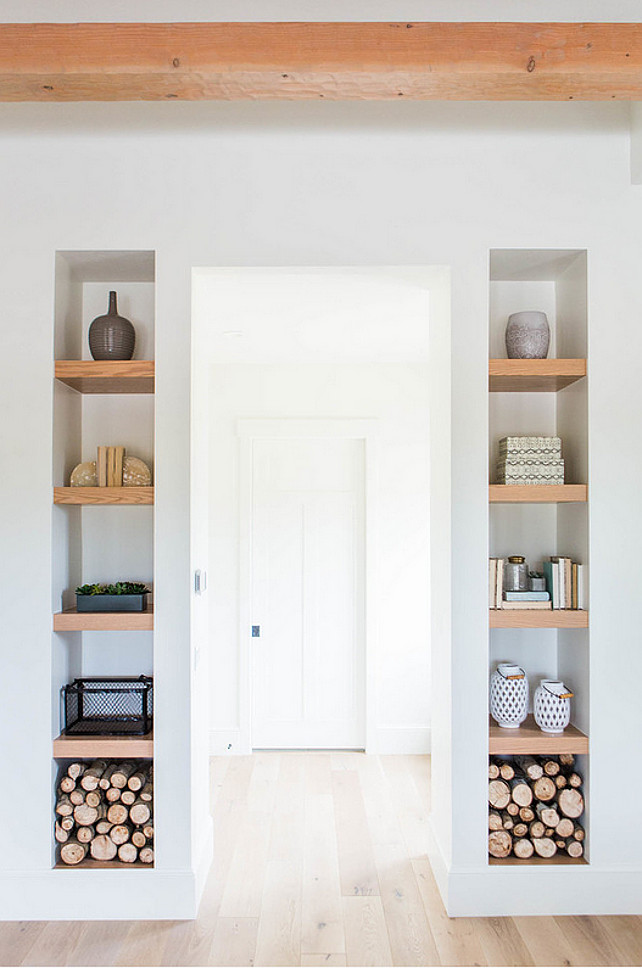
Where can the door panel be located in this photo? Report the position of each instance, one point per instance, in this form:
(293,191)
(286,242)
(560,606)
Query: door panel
(307,594)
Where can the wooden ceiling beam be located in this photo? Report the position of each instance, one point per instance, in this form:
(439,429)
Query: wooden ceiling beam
(337,61)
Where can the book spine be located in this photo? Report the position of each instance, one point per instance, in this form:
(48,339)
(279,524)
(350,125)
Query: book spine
(492,582)
(556,585)
(500,583)
(581,587)
(101,466)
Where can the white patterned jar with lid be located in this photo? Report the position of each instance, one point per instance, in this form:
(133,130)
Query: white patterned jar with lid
(509,695)
(552,706)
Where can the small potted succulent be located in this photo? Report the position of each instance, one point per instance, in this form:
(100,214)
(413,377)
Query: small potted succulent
(123,596)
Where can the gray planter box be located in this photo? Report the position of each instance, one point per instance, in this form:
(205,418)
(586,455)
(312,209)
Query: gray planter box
(111,603)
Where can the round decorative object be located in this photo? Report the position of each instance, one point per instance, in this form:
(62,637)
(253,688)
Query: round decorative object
(136,473)
(509,695)
(527,336)
(84,475)
(552,706)
(112,337)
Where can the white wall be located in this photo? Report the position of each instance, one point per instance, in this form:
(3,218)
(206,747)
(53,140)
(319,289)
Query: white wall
(323,184)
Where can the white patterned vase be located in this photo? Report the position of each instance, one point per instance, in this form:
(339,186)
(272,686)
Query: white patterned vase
(552,706)
(509,695)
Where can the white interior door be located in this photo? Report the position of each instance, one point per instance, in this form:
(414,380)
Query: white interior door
(307,597)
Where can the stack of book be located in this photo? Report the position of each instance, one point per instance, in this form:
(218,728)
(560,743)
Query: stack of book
(498,597)
(565,582)
(530,460)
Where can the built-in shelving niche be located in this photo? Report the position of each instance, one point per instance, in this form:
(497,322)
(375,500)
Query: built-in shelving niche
(554,281)
(93,541)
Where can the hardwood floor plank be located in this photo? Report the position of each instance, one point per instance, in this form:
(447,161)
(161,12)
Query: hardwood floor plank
(55,944)
(143,944)
(411,939)
(279,933)
(590,942)
(412,810)
(233,942)
(456,939)
(330,960)
(419,770)
(99,943)
(243,892)
(188,942)
(357,866)
(626,932)
(288,821)
(17,938)
(318,774)
(545,942)
(367,941)
(502,942)
(381,814)
(321,912)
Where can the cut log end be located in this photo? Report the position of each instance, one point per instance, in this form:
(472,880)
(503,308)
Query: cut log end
(500,843)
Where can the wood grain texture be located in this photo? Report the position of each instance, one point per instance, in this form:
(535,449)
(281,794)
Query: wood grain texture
(554,618)
(96,376)
(204,61)
(530,739)
(103,747)
(537,493)
(533,376)
(103,496)
(72,621)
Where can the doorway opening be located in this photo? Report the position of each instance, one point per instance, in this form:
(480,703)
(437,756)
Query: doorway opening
(312,396)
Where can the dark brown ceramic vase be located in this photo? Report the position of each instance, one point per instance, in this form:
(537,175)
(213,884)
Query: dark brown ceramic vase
(112,337)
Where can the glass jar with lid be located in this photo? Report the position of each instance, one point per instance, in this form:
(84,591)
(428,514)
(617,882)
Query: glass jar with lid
(516,574)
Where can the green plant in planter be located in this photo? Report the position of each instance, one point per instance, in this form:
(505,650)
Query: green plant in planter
(119,588)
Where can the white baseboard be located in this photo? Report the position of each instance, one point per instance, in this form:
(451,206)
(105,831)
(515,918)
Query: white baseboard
(402,739)
(561,891)
(230,742)
(97,895)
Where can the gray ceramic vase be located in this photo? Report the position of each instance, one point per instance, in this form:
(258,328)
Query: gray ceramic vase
(527,336)
(112,337)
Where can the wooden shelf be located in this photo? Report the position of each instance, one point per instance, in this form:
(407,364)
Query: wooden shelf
(537,493)
(102,496)
(535,618)
(73,621)
(533,376)
(530,739)
(102,865)
(107,747)
(93,376)
(560,860)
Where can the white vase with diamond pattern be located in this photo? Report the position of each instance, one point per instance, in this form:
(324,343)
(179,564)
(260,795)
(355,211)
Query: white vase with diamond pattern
(552,706)
(509,695)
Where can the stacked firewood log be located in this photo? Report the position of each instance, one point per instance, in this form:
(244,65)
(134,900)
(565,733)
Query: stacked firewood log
(535,804)
(104,811)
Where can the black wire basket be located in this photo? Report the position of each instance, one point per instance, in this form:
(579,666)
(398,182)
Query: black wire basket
(108,705)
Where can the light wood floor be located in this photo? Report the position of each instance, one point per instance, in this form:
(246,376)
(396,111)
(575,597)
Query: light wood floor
(321,860)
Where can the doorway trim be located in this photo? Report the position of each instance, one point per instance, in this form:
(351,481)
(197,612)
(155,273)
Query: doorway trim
(247,431)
